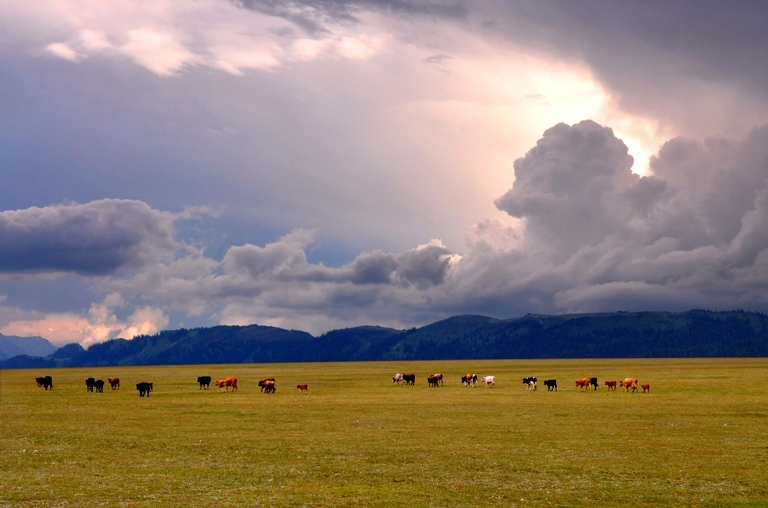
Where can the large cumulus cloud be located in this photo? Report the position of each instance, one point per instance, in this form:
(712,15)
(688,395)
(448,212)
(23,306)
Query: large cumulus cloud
(96,238)
(588,235)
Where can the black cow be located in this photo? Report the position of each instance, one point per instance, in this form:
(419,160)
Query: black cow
(99,385)
(89,384)
(530,382)
(204,381)
(46,382)
(410,379)
(593,382)
(143,388)
(551,384)
(433,380)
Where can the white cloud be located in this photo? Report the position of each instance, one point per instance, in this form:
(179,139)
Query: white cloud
(63,51)
(159,52)
(361,47)
(99,324)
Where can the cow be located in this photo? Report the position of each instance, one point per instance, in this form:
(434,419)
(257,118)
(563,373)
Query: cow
(226,383)
(551,384)
(646,388)
(583,384)
(89,384)
(261,383)
(114,382)
(99,385)
(439,377)
(303,388)
(397,378)
(469,380)
(410,379)
(530,383)
(433,381)
(204,381)
(628,383)
(269,386)
(611,385)
(143,388)
(46,382)
(490,381)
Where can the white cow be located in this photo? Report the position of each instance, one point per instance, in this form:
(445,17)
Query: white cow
(490,381)
(398,377)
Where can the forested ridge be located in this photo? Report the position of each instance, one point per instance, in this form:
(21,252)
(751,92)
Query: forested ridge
(695,333)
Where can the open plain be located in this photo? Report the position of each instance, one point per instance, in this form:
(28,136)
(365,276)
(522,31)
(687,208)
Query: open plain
(700,438)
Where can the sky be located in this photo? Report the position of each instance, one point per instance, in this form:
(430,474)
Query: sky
(321,164)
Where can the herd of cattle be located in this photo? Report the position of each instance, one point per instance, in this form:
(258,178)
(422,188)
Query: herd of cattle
(471,380)
(268,385)
(144,388)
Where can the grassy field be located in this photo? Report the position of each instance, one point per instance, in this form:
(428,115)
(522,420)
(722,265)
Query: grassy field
(699,439)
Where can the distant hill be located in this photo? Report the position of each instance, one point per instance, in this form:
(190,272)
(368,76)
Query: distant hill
(11,345)
(696,333)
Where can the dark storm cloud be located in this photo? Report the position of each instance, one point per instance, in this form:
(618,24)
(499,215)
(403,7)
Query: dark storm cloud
(694,234)
(651,55)
(95,238)
(312,15)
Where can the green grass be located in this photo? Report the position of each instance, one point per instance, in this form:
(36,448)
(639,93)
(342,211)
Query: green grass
(700,437)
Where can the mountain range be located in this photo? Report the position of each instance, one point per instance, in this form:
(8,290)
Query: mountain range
(695,333)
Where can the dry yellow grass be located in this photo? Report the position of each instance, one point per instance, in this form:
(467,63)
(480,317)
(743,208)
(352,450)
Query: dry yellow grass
(699,438)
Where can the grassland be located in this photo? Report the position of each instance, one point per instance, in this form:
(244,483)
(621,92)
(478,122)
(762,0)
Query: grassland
(699,439)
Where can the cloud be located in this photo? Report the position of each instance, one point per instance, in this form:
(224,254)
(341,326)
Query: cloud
(96,238)
(63,51)
(361,47)
(97,325)
(158,51)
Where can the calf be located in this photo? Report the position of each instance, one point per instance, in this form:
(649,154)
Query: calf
(611,385)
(303,388)
(99,385)
(530,383)
(410,379)
(114,382)
(46,382)
(204,381)
(397,377)
(593,382)
(470,379)
(143,388)
(89,384)
(646,388)
(551,384)
(490,381)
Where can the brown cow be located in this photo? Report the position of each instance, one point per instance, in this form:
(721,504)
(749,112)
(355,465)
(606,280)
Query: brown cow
(269,386)
(628,383)
(646,388)
(261,383)
(114,382)
(303,388)
(226,383)
(583,384)
(611,385)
